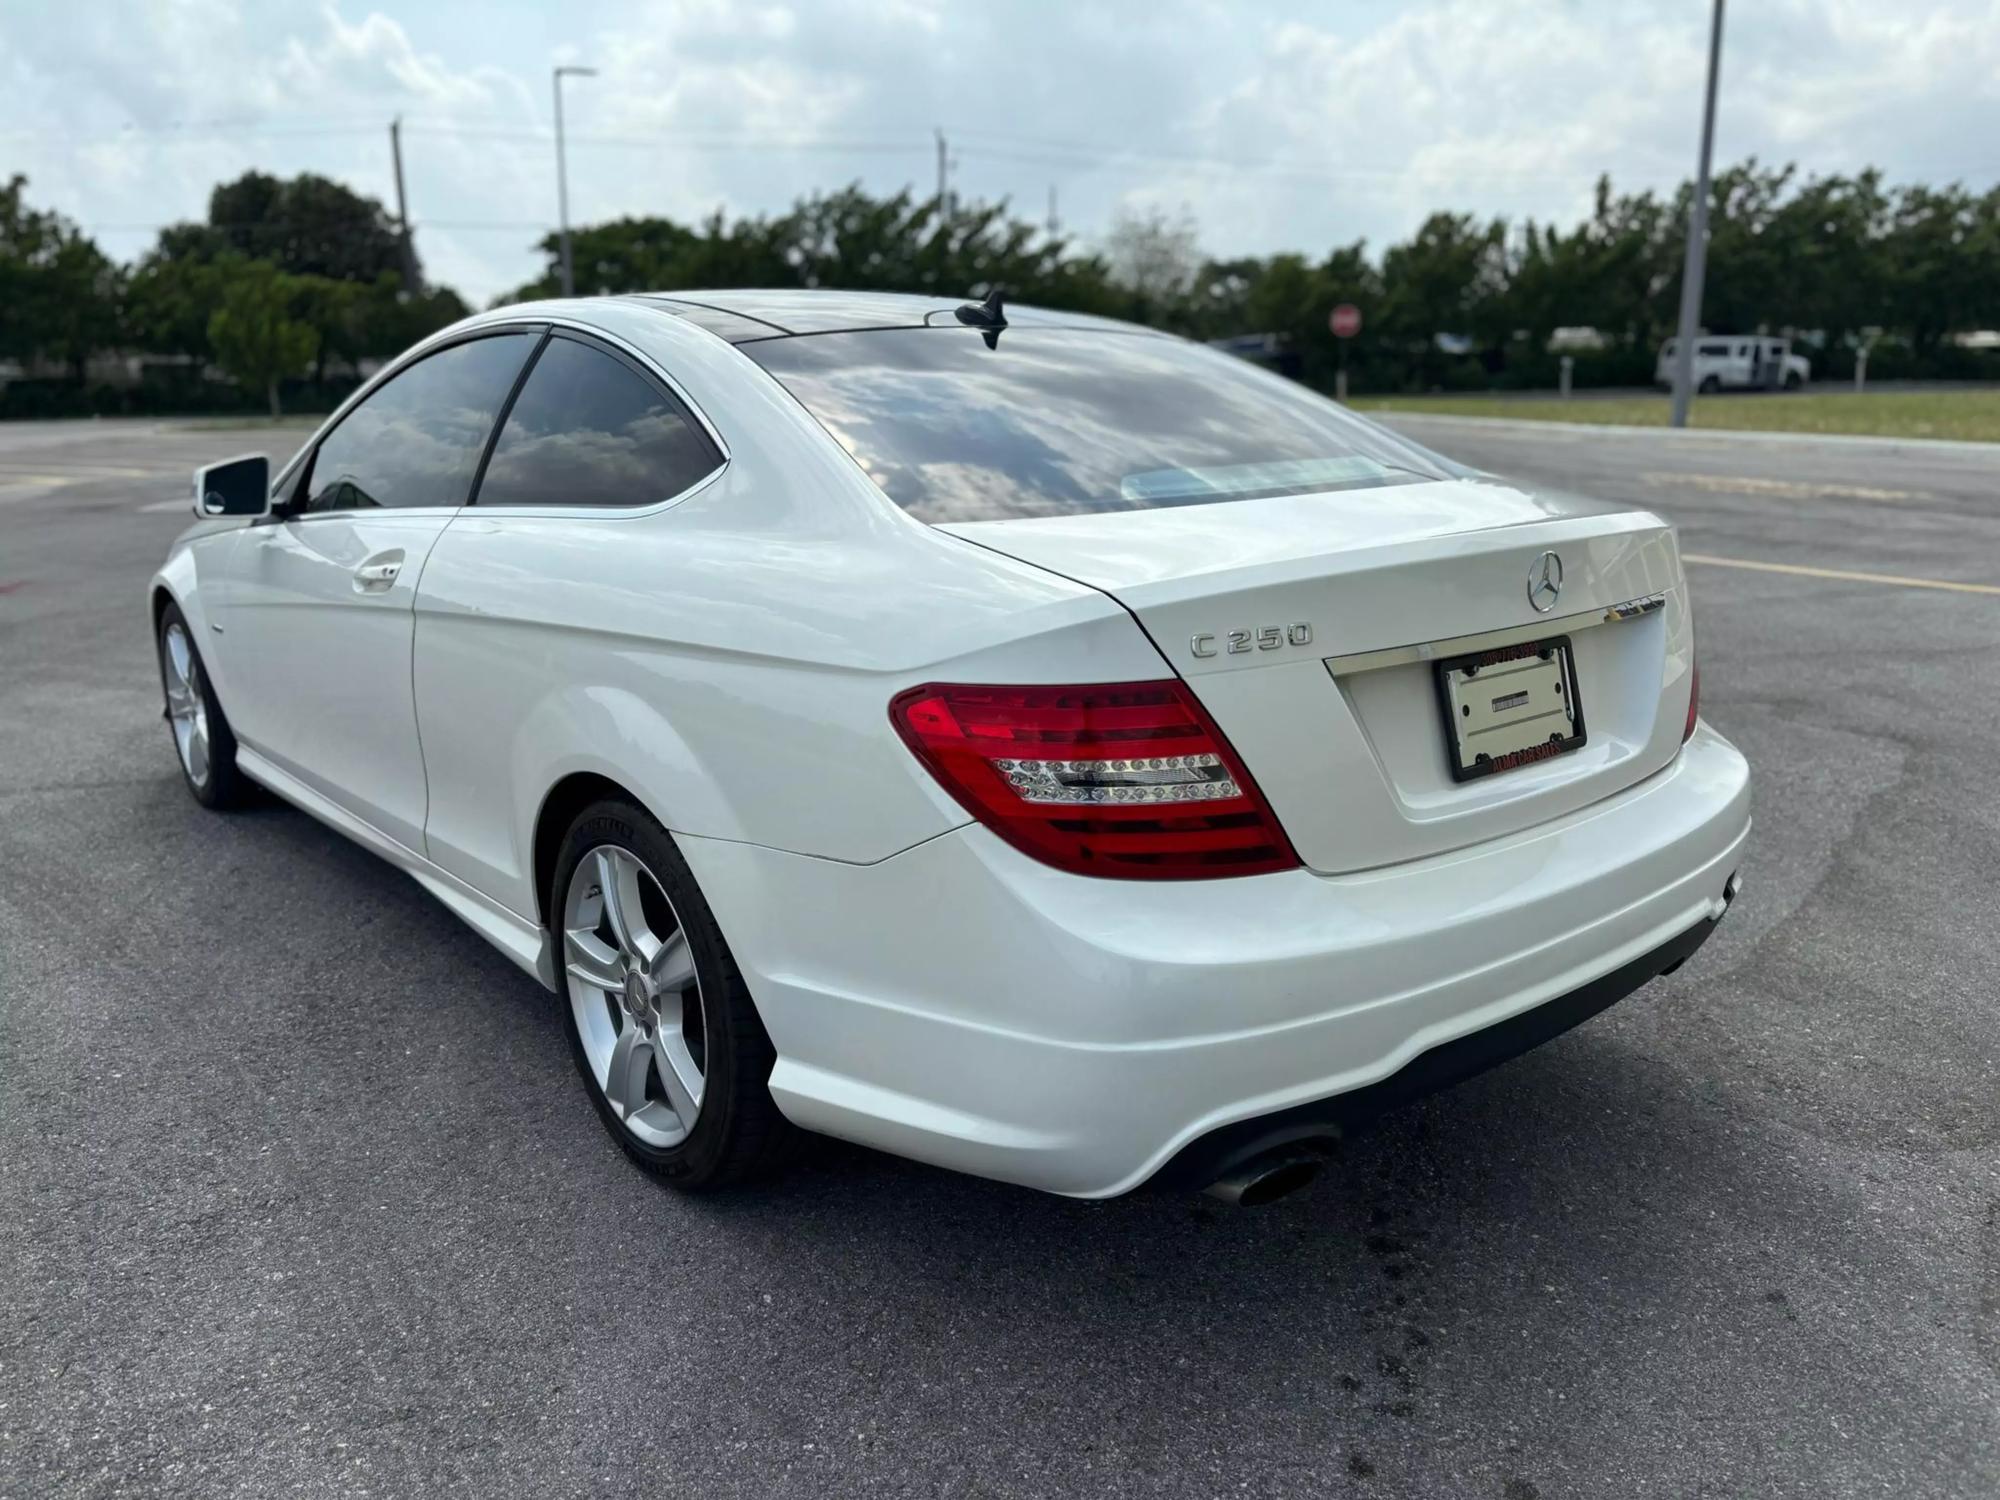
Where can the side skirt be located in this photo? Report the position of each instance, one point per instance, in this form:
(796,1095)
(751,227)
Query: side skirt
(515,936)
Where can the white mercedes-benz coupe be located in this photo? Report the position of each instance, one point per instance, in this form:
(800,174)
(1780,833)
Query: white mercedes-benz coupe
(1019,741)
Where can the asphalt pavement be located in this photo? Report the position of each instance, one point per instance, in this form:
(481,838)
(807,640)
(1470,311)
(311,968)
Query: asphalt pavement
(299,1193)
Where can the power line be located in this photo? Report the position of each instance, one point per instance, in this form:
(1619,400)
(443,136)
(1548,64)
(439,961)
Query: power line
(1104,160)
(190,135)
(1076,154)
(543,138)
(994,145)
(1041,151)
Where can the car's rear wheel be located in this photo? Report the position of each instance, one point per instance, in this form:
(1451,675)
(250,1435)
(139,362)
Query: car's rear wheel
(202,737)
(660,1021)
(1710,385)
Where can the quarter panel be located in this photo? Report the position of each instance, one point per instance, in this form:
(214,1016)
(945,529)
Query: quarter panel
(737,682)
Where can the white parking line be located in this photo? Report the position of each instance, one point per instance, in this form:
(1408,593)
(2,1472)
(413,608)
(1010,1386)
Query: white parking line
(1790,489)
(1842,575)
(1581,431)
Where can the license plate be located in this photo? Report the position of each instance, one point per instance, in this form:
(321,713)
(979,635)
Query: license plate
(1509,707)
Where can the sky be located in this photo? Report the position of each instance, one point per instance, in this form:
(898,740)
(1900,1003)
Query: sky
(1276,126)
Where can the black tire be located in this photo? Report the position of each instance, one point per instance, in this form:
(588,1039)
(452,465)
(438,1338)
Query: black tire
(1792,381)
(739,1133)
(221,786)
(1710,385)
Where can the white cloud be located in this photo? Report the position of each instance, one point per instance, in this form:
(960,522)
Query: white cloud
(372,59)
(1304,128)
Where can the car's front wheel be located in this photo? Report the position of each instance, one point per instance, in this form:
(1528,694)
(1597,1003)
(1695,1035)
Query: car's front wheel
(202,737)
(661,1023)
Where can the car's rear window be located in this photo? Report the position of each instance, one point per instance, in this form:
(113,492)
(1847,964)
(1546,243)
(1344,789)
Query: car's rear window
(1058,421)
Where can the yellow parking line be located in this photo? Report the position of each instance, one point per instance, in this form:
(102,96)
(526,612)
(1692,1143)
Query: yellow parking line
(1843,575)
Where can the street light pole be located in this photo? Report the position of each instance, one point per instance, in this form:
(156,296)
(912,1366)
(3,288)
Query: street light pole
(1697,245)
(562,178)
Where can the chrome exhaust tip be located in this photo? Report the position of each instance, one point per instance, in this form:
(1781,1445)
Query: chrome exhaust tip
(1266,1179)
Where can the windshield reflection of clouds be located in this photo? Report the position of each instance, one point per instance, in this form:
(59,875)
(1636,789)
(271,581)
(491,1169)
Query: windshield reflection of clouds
(588,431)
(1057,422)
(648,458)
(416,440)
(401,458)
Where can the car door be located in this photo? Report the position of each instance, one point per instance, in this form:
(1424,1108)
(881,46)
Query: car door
(590,446)
(317,610)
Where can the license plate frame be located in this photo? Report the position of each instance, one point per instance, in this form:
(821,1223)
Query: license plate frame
(1550,668)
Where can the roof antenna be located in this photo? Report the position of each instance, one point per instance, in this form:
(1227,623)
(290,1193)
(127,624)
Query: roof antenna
(989,316)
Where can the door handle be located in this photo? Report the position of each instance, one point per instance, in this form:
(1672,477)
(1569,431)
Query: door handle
(377,574)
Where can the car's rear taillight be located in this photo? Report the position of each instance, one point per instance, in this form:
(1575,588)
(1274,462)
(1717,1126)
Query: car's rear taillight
(1125,779)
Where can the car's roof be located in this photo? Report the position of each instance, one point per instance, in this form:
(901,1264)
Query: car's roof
(741,316)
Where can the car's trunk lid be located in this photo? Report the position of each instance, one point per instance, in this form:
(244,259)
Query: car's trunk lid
(1310,626)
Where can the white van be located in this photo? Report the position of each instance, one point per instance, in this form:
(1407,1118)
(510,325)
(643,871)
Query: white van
(1737,363)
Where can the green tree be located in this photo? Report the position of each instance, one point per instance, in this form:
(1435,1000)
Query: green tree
(332,309)
(58,291)
(847,239)
(168,302)
(386,321)
(1942,267)
(1449,278)
(1829,241)
(851,240)
(254,334)
(1746,271)
(1347,276)
(1603,274)
(639,255)
(1156,258)
(306,226)
(1218,300)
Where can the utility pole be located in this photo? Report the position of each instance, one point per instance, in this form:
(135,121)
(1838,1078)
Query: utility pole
(409,254)
(1697,245)
(1055,224)
(562,178)
(944,173)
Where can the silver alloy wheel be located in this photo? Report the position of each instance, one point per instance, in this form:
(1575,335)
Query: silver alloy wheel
(187,707)
(635,995)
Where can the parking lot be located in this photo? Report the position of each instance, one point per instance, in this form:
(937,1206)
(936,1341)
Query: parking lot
(299,1192)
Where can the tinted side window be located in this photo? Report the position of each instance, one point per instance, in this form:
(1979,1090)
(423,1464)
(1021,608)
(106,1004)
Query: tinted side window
(1715,351)
(587,429)
(417,440)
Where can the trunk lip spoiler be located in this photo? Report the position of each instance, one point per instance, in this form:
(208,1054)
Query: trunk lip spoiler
(1352,662)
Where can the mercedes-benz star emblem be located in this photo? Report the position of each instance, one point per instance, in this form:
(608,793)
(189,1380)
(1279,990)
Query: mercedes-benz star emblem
(1545,582)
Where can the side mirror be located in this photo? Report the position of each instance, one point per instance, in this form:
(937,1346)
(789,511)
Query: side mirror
(234,487)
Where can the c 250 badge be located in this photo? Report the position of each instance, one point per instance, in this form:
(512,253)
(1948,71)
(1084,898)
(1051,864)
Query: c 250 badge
(1263,638)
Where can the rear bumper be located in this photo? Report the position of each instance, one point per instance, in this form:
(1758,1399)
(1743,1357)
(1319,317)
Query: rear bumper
(964,1005)
(1223,1151)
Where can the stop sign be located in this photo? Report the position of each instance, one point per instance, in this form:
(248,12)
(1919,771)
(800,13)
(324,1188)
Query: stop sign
(1345,321)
